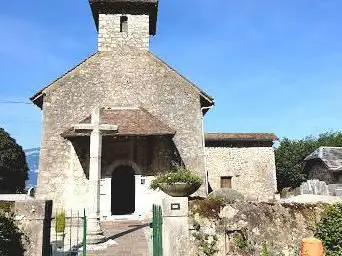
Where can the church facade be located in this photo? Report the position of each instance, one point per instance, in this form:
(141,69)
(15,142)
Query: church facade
(122,115)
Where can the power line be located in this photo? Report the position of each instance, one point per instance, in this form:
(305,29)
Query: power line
(15,102)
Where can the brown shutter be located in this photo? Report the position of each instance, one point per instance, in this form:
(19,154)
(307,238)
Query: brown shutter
(226,182)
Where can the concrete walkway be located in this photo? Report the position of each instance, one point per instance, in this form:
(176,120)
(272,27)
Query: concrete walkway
(132,238)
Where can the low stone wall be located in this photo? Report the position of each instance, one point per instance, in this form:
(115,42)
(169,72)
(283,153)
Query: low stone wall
(245,228)
(33,218)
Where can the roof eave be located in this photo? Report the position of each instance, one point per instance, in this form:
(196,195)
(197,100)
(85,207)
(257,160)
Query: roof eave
(38,99)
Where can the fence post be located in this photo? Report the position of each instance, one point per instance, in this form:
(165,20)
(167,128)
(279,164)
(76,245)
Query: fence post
(84,233)
(157,223)
(175,230)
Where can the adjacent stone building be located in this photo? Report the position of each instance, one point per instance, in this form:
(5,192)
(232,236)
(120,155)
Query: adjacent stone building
(325,164)
(244,162)
(120,116)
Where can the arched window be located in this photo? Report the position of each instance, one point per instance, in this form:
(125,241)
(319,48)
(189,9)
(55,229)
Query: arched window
(123,24)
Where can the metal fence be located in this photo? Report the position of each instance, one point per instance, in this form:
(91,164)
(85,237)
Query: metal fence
(68,233)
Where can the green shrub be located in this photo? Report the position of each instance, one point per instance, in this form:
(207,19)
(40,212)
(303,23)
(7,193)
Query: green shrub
(179,175)
(60,222)
(228,195)
(240,241)
(6,206)
(264,250)
(10,237)
(329,230)
(208,208)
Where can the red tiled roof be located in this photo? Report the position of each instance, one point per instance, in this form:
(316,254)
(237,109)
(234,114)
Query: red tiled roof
(130,121)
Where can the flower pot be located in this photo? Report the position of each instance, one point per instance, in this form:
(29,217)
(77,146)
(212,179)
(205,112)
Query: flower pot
(179,189)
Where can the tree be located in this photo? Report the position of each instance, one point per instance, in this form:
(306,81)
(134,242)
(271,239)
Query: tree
(290,156)
(329,229)
(10,236)
(13,166)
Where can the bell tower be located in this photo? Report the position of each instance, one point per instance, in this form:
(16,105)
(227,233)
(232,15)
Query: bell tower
(124,23)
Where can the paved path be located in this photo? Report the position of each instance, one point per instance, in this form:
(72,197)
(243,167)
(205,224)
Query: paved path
(131,238)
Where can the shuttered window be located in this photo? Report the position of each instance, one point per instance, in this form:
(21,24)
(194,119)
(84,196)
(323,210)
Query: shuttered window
(226,182)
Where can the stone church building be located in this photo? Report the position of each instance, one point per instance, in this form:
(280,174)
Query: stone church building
(123,115)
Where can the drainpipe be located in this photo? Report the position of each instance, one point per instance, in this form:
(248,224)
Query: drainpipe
(205,153)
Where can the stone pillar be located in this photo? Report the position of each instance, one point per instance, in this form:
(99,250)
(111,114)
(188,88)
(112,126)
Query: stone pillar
(94,232)
(176,234)
(34,219)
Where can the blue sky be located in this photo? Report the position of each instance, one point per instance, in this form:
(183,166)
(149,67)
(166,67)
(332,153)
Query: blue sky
(272,66)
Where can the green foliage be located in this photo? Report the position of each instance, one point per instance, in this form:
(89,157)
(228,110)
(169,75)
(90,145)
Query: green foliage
(6,207)
(240,241)
(228,195)
(207,243)
(329,230)
(60,222)
(179,175)
(10,237)
(291,153)
(208,208)
(264,250)
(13,166)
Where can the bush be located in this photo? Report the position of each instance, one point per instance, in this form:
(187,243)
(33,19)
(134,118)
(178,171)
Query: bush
(264,250)
(6,207)
(10,237)
(180,175)
(228,195)
(329,230)
(60,222)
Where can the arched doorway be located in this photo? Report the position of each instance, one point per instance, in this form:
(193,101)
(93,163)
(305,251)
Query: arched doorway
(123,190)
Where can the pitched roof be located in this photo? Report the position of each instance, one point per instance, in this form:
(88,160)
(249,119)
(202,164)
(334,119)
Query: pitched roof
(330,156)
(38,97)
(130,122)
(240,137)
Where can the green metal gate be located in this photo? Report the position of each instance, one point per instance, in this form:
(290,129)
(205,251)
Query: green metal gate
(157,225)
(70,233)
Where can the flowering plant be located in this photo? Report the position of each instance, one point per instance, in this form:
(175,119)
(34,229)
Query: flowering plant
(180,175)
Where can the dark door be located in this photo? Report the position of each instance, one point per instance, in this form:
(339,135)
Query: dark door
(123,191)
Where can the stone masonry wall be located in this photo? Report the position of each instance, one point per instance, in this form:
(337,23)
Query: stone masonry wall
(252,169)
(113,79)
(243,228)
(110,37)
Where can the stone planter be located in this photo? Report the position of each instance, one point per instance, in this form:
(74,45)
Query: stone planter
(179,189)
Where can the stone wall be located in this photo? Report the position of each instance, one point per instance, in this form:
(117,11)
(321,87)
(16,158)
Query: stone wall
(318,171)
(243,228)
(113,79)
(252,169)
(111,38)
(34,220)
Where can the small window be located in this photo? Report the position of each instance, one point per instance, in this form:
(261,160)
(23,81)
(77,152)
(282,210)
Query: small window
(226,182)
(123,24)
